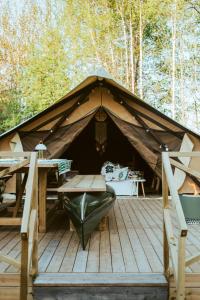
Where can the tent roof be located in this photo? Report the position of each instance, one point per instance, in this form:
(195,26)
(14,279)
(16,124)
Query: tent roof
(89,81)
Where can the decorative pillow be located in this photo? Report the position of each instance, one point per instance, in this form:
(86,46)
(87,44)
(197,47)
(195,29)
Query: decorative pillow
(120,174)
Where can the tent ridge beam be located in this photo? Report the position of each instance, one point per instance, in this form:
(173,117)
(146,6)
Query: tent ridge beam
(143,124)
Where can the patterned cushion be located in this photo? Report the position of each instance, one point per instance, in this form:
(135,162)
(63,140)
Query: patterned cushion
(120,174)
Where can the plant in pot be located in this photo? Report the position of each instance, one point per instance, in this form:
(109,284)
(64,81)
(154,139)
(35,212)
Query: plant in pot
(191,205)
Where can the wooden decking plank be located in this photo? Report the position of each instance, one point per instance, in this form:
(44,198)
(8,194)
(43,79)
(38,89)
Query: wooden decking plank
(100,279)
(105,254)
(156,244)
(70,255)
(57,258)
(115,246)
(17,255)
(49,251)
(13,254)
(8,247)
(141,260)
(152,257)
(81,259)
(127,251)
(6,239)
(3,233)
(94,253)
(159,223)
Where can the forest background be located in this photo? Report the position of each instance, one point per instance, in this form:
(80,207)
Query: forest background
(150,46)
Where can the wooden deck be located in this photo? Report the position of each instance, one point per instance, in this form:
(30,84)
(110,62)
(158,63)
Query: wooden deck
(132,244)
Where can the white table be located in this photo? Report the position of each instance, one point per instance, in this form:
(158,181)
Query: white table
(128,187)
(141,181)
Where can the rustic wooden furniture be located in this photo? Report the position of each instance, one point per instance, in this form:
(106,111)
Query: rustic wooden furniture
(42,186)
(29,222)
(176,246)
(84,183)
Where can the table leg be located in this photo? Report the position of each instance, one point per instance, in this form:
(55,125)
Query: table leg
(42,184)
(143,189)
(137,188)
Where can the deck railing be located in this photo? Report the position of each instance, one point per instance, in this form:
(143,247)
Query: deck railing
(29,221)
(174,247)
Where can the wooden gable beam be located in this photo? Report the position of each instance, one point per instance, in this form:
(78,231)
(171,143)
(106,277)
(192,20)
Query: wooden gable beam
(63,115)
(56,126)
(143,124)
(190,173)
(117,94)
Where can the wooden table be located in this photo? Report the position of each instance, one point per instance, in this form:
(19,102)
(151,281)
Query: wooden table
(42,187)
(84,183)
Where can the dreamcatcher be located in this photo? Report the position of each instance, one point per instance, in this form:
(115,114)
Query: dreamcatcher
(101,131)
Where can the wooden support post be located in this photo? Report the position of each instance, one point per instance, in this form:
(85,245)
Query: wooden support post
(181,269)
(42,182)
(19,195)
(35,240)
(18,184)
(24,270)
(165,241)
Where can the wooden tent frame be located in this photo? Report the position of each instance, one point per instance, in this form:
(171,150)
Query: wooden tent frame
(171,246)
(29,221)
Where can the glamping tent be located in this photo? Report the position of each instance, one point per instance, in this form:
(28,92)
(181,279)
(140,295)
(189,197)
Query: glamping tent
(100,120)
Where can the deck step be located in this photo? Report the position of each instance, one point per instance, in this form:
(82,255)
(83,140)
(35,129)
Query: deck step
(91,286)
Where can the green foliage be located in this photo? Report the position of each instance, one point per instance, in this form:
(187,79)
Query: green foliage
(47,47)
(44,78)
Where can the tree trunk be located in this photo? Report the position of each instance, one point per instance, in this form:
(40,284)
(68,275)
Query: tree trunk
(126,45)
(196,98)
(141,52)
(173,61)
(182,91)
(132,58)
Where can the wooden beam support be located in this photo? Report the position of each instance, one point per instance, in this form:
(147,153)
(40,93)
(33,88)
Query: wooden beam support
(193,259)
(161,145)
(10,221)
(184,168)
(32,227)
(29,193)
(184,154)
(174,193)
(56,126)
(19,196)
(139,113)
(83,98)
(180,295)
(9,260)
(14,168)
(10,154)
(171,242)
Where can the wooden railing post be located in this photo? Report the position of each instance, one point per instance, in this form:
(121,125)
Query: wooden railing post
(165,242)
(35,241)
(24,269)
(181,269)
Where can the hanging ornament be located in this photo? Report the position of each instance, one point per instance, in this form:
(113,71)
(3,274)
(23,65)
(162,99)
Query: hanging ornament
(101,131)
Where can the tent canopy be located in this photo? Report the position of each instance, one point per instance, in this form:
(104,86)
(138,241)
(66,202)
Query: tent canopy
(148,131)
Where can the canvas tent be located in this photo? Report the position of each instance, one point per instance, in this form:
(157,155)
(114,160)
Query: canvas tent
(147,131)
